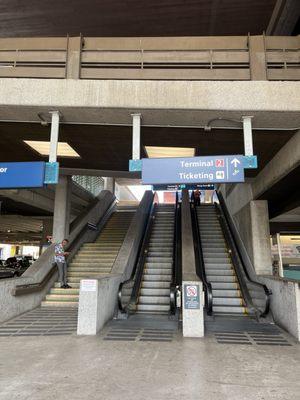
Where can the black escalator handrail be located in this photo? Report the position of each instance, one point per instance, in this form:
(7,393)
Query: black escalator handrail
(176,264)
(240,260)
(137,272)
(200,265)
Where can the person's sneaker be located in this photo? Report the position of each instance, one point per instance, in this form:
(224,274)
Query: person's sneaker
(62,286)
(68,286)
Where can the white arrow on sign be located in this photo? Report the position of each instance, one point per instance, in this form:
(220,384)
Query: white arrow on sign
(235,162)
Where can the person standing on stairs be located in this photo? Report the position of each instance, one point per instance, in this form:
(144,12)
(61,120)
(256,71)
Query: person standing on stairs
(60,259)
(197,197)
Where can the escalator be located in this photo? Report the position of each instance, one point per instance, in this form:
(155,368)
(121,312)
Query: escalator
(229,279)
(156,276)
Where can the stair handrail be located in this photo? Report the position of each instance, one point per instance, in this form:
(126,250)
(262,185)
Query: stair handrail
(28,288)
(241,260)
(176,264)
(138,269)
(200,265)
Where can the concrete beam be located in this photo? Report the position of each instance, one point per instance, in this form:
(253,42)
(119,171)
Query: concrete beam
(137,95)
(284,162)
(284,18)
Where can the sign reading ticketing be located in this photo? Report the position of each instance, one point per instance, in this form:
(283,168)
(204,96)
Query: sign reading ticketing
(22,175)
(210,169)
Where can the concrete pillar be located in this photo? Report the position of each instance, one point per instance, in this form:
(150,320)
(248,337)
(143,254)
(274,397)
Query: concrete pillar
(253,224)
(62,208)
(109,184)
(192,290)
(47,231)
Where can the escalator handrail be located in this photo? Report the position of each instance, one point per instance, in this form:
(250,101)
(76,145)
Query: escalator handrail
(200,265)
(176,264)
(242,261)
(137,272)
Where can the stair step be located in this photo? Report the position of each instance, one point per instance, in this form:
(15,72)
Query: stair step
(228,301)
(60,297)
(74,285)
(90,269)
(223,278)
(153,307)
(83,275)
(158,265)
(159,259)
(155,292)
(155,285)
(157,277)
(226,293)
(229,310)
(73,304)
(220,272)
(60,291)
(154,300)
(157,271)
(224,285)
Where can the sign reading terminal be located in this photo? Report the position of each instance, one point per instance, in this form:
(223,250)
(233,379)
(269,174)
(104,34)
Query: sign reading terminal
(210,169)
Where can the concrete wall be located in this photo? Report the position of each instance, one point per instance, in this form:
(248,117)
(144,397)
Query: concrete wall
(252,222)
(11,306)
(124,194)
(97,307)
(285,303)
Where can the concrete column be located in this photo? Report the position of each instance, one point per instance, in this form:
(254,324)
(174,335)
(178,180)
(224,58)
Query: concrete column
(47,231)
(253,224)
(109,184)
(62,208)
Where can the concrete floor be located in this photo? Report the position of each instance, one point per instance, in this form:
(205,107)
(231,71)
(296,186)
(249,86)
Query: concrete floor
(71,367)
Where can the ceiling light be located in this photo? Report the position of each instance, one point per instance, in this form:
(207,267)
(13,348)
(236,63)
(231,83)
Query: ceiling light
(43,148)
(162,152)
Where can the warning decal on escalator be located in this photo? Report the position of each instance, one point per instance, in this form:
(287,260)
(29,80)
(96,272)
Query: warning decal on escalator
(191,297)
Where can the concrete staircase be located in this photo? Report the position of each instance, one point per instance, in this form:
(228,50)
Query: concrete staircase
(227,297)
(93,259)
(155,289)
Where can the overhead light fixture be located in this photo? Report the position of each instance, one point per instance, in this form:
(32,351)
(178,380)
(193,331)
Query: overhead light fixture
(162,152)
(43,148)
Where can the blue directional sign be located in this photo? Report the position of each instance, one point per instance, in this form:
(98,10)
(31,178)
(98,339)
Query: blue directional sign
(250,162)
(22,175)
(210,169)
(51,173)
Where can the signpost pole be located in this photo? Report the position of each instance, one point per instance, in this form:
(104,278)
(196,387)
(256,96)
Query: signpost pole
(54,135)
(136,136)
(248,141)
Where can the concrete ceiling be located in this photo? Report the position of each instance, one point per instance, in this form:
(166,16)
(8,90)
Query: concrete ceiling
(134,17)
(109,147)
(17,223)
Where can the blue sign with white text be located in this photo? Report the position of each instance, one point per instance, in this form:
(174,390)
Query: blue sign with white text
(14,175)
(210,169)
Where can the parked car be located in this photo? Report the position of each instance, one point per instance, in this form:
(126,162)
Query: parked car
(7,272)
(14,267)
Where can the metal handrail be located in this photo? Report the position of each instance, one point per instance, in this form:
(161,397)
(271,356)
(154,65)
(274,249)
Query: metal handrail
(241,261)
(176,264)
(200,265)
(137,272)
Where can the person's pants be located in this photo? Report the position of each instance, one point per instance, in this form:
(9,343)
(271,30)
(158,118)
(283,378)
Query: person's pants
(62,272)
(197,201)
